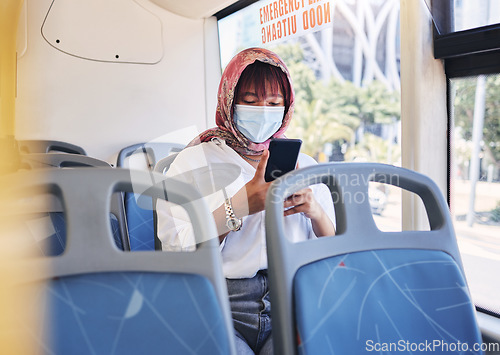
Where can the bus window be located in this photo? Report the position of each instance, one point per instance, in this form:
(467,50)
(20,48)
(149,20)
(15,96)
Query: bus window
(469,15)
(475,183)
(344,61)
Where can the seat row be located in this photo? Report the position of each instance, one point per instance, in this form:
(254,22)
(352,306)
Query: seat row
(363,290)
(133,224)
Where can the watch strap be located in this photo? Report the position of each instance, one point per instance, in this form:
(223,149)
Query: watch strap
(232,222)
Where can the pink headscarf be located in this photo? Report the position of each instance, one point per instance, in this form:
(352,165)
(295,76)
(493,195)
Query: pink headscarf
(226,128)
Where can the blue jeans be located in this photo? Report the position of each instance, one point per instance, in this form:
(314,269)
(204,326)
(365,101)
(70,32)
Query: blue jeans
(251,312)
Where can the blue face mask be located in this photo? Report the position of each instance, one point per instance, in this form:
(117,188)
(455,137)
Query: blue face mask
(258,123)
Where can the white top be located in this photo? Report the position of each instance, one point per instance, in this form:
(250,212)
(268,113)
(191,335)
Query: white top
(244,251)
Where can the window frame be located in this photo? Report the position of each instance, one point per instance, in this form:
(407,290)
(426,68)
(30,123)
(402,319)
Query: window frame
(231,9)
(465,53)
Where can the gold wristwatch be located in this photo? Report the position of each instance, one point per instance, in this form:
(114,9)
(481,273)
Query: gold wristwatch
(233,223)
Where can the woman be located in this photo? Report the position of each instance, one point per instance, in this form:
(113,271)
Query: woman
(255,104)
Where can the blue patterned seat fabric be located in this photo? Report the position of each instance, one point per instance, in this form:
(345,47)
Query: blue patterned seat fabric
(140,222)
(123,313)
(400,299)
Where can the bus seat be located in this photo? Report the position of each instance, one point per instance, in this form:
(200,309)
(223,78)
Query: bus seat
(48,146)
(59,160)
(55,242)
(140,217)
(101,300)
(366,290)
(150,152)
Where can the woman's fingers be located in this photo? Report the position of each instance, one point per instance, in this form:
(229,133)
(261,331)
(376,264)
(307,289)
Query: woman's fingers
(299,197)
(257,187)
(302,201)
(294,210)
(261,168)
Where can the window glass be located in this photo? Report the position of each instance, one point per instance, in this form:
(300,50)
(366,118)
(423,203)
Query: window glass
(344,60)
(460,15)
(472,13)
(475,183)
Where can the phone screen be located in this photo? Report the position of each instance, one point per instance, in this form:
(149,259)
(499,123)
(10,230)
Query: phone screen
(283,155)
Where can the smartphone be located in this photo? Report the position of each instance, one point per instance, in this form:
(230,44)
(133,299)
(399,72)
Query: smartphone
(283,155)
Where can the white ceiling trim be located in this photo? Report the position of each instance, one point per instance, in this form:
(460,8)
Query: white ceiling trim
(195,9)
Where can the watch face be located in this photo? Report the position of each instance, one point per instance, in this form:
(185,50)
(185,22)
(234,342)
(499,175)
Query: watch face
(234,224)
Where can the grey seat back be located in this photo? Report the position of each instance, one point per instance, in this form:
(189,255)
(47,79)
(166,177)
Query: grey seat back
(47,146)
(140,216)
(363,287)
(102,300)
(55,244)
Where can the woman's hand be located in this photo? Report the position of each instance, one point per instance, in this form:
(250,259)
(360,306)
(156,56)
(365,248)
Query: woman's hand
(303,201)
(256,189)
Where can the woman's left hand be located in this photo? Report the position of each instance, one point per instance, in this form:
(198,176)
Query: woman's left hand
(303,201)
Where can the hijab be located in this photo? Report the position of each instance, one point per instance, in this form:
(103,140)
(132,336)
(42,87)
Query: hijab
(224,119)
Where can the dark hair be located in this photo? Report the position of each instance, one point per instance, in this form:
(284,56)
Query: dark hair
(258,73)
